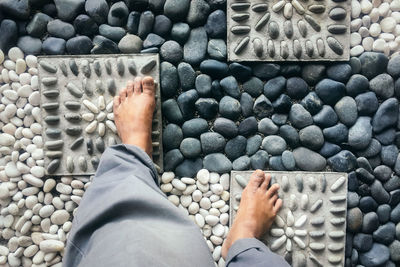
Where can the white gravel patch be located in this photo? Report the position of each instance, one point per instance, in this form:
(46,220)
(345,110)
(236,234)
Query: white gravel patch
(205,199)
(375,26)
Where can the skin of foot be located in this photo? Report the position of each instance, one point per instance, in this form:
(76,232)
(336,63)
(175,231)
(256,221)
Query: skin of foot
(133,113)
(259,205)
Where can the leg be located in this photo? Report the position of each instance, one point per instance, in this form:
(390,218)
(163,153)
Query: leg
(258,208)
(124,218)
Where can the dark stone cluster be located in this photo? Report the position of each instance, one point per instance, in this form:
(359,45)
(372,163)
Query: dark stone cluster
(231,116)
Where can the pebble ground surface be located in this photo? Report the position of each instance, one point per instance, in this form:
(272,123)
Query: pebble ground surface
(219,116)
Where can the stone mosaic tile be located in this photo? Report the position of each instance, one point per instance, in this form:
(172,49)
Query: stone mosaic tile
(293,30)
(310,228)
(76,102)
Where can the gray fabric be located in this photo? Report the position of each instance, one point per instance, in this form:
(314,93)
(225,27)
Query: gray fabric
(124,219)
(252,252)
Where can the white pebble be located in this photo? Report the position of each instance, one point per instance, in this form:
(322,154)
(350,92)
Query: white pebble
(224,218)
(199,219)
(218,230)
(60,217)
(355,9)
(375,30)
(379,45)
(211,220)
(178,184)
(193,208)
(366,6)
(388,24)
(205,203)
(203,176)
(197,195)
(15,53)
(384,9)
(31,61)
(356,50)
(167,177)
(51,246)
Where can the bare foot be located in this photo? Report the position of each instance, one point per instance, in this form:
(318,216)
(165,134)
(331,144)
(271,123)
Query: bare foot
(133,113)
(258,208)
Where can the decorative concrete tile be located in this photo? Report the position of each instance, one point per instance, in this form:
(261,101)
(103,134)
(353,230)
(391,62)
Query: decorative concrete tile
(310,228)
(293,30)
(77,108)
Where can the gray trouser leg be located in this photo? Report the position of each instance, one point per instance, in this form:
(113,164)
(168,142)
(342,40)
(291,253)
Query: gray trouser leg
(125,220)
(254,253)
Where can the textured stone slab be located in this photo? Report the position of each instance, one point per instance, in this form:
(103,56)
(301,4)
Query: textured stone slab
(76,102)
(310,228)
(293,30)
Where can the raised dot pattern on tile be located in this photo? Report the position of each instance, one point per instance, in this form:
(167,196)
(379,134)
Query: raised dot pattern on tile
(78,120)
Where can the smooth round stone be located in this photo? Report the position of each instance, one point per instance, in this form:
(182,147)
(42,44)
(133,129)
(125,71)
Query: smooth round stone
(229,108)
(362,242)
(299,116)
(386,115)
(248,127)
(186,102)
(339,72)
(274,87)
(313,73)
(388,24)
(267,127)
(312,103)
(215,69)
(187,75)
(259,160)
(356,85)
(217,162)
(180,32)
(225,127)
(172,136)
(253,86)
(242,163)
(288,160)
(59,217)
(296,88)
(367,103)
(216,49)
(253,144)
(153,40)
(311,137)
(54,46)
(189,167)
(290,135)
(195,48)
(376,256)
(308,160)
(130,44)
(176,10)
(326,117)
(172,159)
(190,147)
(172,112)
(169,80)
(235,147)
(113,33)
(194,127)
(216,24)
(30,45)
(172,52)
(373,64)
(274,144)
(393,67)
(382,85)
(207,107)
(330,91)
(198,12)
(79,45)
(230,86)
(49,246)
